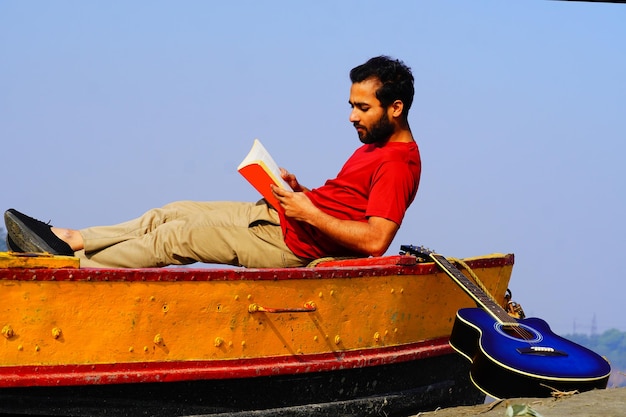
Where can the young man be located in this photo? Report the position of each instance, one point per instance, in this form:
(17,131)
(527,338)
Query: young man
(356,214)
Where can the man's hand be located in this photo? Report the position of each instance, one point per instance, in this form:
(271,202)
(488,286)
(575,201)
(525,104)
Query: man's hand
(295,203)
(371,238)
(292,180)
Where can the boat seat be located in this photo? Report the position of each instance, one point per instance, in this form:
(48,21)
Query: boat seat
(36,260)
(331,262)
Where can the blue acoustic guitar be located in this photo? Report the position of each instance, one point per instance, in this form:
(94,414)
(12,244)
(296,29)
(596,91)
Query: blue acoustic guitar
(516,357)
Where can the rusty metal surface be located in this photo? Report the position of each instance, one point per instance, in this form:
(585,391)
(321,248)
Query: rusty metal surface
(95,326)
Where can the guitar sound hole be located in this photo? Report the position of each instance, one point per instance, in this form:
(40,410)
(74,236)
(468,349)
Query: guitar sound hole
(518,332)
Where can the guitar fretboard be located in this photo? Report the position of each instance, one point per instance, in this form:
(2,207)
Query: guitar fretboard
(473,290)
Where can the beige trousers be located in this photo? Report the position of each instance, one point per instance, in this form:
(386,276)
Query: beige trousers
(184,232)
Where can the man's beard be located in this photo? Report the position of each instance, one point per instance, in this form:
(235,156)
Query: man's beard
(379,133)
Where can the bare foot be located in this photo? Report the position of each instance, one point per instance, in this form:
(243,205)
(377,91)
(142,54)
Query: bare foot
(71,237)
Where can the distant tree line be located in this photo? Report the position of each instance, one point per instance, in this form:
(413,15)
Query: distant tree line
(3,240)
(612,345)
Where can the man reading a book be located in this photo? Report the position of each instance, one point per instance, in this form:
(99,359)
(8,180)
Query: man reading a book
(355,214)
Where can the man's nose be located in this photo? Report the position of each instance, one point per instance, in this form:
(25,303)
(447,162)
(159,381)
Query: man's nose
(354,116)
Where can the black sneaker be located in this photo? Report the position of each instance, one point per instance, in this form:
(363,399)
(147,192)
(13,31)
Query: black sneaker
(32,235)
(11,246)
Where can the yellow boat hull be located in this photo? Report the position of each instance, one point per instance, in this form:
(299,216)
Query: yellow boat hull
(75,327)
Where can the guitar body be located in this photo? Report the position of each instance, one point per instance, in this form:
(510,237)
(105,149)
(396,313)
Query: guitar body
(516,358)
(524,358)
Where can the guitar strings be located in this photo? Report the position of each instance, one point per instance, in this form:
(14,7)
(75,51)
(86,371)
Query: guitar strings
(517,330)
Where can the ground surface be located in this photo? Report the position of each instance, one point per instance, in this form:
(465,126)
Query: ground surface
(606,403)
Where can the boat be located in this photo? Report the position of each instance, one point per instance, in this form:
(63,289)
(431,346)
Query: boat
(341,337)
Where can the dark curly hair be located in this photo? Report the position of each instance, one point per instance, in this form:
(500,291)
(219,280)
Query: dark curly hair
(395,76)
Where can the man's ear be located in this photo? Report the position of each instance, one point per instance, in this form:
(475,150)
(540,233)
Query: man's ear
(396,108)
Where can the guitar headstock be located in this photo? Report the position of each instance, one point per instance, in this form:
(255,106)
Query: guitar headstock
(422,253)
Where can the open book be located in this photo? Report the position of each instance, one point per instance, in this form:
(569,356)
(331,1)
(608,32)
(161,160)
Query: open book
(260,170)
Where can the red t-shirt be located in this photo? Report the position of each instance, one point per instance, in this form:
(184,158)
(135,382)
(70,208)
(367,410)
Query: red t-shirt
(379,181)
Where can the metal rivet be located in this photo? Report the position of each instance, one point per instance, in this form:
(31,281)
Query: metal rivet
(8,332)
(218,341)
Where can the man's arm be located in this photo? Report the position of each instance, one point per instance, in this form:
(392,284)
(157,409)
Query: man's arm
(372,238)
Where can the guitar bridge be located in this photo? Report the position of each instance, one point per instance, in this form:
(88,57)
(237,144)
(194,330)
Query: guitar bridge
(541,351)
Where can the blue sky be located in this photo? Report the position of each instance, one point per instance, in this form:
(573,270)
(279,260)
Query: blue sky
(109,108)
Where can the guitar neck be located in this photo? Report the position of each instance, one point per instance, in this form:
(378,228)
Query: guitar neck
(482,299)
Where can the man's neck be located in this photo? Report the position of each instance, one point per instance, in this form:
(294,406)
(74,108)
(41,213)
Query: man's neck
(402,134)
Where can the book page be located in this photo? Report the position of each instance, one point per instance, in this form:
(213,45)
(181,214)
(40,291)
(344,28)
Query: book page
(259,155)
